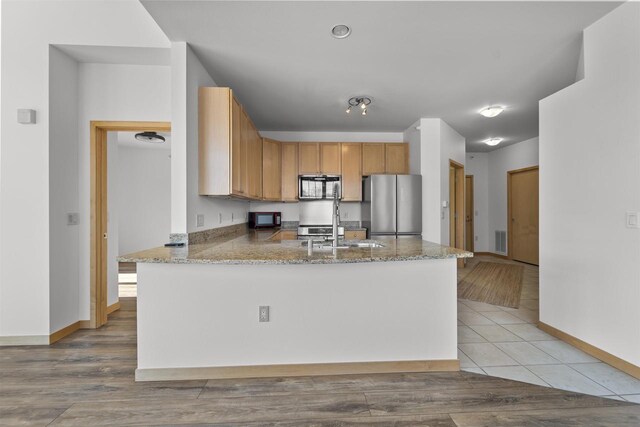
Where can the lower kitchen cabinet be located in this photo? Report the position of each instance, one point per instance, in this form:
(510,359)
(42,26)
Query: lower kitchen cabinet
(355,234)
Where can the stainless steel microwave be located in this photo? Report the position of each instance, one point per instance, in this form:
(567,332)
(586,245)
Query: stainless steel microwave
(318,187)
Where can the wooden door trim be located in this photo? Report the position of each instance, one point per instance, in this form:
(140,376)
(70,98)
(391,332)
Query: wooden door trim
(98,208)
(473,243)
(509,222)
(459,207)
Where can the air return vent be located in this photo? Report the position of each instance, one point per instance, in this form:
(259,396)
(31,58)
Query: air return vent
(501,241)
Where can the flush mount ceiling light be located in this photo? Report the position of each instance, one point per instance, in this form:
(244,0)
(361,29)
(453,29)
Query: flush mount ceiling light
(359,101)
(150,137)
(492,111)
(492,141)
(340,31)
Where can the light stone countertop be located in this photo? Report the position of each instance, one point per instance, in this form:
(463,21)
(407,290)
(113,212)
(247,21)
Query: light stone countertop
(263,247)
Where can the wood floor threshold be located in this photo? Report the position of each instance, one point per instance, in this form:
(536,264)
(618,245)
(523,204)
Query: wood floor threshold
(491,254)
(592,350)
(296,370)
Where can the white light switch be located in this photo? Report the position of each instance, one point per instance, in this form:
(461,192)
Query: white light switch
(72,218)
(633,219)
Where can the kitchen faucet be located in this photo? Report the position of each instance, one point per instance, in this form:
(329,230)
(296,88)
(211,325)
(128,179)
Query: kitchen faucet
(336,217)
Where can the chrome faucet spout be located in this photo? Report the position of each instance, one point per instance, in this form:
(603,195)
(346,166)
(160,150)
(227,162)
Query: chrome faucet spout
(336,217)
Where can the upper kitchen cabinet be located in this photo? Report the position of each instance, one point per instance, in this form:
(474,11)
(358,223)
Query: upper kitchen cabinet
(254,159)
(351,155)
(373,158)
(271,170)
(330,158)
(229,147)
(308,158)
(290,171)
(396,158)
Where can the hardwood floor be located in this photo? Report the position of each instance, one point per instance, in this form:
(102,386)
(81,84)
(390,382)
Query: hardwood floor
(86,379)
(493,283)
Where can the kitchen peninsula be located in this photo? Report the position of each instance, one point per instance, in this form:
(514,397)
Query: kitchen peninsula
(357,310)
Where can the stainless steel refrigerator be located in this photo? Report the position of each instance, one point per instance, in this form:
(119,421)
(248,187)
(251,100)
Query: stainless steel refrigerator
(392,205)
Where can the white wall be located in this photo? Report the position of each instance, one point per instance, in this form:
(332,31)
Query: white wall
(144,193)
(452,147)
(430,149)
(63,190)
(113,92)
(590,170)
(28,28)
(188,76)
(478,165)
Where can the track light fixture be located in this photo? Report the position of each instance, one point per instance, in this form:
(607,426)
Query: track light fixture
(362,101)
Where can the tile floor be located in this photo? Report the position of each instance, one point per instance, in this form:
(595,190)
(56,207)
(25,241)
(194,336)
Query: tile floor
(505,342)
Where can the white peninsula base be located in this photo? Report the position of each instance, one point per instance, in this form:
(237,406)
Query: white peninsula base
(201,321)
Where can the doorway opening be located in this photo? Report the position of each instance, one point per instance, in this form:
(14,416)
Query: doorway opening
(99,309)
(523,215)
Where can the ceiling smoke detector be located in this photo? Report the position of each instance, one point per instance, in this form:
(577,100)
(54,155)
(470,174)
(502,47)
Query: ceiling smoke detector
(150,137)
(340,31)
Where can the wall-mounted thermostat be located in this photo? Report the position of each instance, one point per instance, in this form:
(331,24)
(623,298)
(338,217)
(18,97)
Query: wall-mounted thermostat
(26,116)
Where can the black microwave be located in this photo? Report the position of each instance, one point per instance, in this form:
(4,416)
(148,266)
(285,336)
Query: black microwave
(264,219)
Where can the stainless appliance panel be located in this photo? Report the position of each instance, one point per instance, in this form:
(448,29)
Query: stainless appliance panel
(383,204)
(318,187)
(316,212)
(409,204)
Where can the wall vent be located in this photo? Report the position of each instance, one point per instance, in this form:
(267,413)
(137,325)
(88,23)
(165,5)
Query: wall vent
(501,241)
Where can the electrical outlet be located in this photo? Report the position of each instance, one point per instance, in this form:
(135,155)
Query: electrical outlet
(345,215)
(231,216)
(72,218)
(200,220)
(220,218)
(263,313)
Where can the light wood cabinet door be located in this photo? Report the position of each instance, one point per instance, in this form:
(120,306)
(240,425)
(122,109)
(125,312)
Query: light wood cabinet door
(238,151)
(397,158)
(214,135)
(254,160)
(271,170)
(351,155)
(373,159)
(290,171)
(308,158)
(330,158)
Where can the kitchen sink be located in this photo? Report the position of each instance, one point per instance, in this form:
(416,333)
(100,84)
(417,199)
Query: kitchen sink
(349,244)
(364,245)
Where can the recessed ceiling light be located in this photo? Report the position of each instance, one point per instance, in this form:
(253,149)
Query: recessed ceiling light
(492,111)
(340,31)
(492,141)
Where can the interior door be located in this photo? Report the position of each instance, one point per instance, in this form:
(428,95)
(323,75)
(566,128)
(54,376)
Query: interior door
(523,208)
(468,214)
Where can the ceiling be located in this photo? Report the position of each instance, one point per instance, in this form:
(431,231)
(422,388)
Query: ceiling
(414,59)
